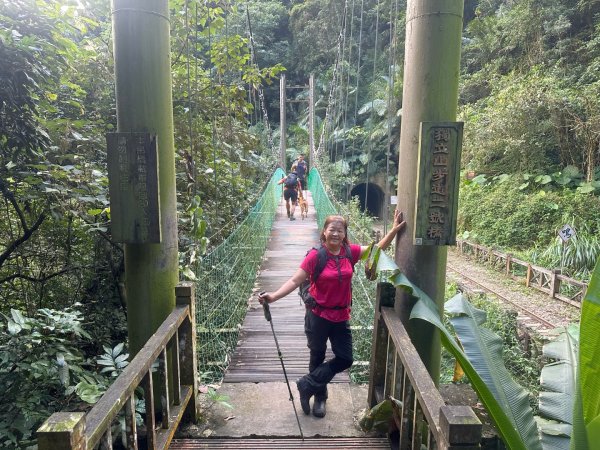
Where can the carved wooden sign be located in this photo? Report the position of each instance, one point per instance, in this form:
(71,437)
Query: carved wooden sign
(133,187)
(436,204)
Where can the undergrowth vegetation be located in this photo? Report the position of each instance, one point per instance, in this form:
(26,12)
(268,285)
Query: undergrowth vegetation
(506,212)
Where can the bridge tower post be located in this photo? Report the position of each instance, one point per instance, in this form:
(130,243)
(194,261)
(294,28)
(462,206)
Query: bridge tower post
(144,104)
(430,93)
(311,120)
(282,125)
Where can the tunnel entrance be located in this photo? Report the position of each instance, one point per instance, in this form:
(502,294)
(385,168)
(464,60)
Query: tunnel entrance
(372,195)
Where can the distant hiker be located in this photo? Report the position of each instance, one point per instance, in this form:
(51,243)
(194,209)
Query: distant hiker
(291,185)
(301,168)
(330,269)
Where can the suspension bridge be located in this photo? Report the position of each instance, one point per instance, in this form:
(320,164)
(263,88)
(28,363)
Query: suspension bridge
(222,325)
(216,331)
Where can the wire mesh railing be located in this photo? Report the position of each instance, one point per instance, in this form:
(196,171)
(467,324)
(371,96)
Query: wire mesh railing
(225,279)
(363,291)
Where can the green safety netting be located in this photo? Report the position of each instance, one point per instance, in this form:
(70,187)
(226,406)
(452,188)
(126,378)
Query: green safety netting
(225,279)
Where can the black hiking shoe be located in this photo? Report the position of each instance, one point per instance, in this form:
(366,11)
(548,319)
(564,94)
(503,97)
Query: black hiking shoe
(292,218)
(305,394)
(319,409)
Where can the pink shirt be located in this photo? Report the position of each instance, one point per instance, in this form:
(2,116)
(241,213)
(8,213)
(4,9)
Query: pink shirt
(329,290)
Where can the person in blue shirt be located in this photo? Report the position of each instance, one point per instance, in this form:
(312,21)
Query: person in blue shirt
(301,168)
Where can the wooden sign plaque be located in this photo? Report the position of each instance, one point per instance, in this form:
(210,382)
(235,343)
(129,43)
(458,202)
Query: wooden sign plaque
(436,203)
(133,187)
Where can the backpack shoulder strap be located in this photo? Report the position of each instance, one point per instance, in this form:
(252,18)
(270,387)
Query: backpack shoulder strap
(321,262)
(348,252)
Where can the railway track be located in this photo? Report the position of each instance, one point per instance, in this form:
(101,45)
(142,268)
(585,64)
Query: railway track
(526,317)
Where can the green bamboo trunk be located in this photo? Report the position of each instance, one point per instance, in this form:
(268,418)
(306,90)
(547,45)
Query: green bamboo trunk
(144,103)
(431,70)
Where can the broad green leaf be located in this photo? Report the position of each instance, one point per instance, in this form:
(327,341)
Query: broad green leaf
(593,430)
(554,435)
(118,349)
(187,272)
(494,400)
(484,351)
(13,327)
(505,400)
(586,188)
(17,317)
(589,365)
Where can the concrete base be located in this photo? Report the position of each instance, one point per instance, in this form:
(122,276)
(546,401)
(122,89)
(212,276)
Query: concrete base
(265,410)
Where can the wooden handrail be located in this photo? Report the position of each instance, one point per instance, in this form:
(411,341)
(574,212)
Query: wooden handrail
(176,336)
(430,399)
(107,408)
(543,279)
(398,371)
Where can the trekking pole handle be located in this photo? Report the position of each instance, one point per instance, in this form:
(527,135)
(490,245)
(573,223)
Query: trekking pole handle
(266,308)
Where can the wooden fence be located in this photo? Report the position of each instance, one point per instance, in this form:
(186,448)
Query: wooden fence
(175,342)
(423,420)
(549,281)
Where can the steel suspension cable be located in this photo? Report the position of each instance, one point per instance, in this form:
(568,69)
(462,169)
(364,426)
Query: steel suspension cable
(327,119)
(372,108)
(261,95)
(190,106)
(347,191)
(357,75)
(341,77)
(213,120)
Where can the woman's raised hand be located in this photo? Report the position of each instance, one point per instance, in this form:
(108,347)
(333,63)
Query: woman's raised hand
(399,222)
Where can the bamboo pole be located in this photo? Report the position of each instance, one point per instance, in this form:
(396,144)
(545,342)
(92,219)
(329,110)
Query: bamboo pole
(431,70)
(144,103)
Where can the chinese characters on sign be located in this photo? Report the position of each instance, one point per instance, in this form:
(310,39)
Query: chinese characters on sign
(133,187)
(437,185)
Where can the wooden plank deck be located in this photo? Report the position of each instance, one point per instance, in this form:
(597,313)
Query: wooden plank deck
(255,358)
(263,416)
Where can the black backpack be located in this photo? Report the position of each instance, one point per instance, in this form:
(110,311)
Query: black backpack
(291,181)
(322,257)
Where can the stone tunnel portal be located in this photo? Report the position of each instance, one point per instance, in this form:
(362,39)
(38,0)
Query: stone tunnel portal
(371,196)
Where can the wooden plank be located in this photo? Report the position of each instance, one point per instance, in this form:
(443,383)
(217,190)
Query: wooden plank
(369,443)
(255,358)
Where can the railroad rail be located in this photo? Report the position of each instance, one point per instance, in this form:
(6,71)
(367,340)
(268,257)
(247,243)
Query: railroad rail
(549,281)
(529,318)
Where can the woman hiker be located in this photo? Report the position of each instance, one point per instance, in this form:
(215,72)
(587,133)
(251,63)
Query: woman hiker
(329,316)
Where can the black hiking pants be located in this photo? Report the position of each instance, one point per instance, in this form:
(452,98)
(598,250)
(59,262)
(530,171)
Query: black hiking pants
(317,331)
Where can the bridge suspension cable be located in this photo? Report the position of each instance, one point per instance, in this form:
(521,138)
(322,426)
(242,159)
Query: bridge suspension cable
(333,87)
(370,135)
(259,89)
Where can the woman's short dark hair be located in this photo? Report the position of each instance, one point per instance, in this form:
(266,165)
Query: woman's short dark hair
(335,218)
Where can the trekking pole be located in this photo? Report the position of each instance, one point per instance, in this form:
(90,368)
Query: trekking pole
(267,312)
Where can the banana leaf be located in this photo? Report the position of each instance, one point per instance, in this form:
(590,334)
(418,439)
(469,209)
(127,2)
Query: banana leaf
(496,389)
(380,416)
(586,428)
(558,385)
(558,379)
